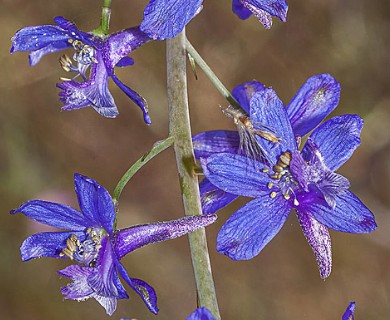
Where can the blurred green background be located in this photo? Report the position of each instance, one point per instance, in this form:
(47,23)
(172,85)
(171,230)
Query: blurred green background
(41,147)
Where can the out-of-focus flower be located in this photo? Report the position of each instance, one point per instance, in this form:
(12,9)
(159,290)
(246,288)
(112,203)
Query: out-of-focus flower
(201,314)
(166,18)
(290,179)
(95,59)
(93,242)
(261,9)
(349,313)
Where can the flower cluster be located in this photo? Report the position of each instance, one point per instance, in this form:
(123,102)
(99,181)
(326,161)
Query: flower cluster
(95,59)
(285,177)
(92,241)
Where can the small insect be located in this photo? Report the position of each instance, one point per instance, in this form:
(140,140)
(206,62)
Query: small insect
(248,131)
(281,165)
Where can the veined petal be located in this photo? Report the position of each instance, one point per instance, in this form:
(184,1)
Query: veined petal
(250,228)
(95,203)
(39,37)
(120,44)
(138,99)
(130,239)
(201,314)
(242,12)
(166,18)
(317,98)
(145,291)
(213,198)
(217,141)
(264,9)
(243,93)
(317,235)
(46,244)
(350,214)
(266,108)
(53,214)
(236,174)
(337,139)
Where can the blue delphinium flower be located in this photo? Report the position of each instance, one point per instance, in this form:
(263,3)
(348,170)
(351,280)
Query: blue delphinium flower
(98,55)
(304,181)
(349,313)
(201,314)
(316,99)
(93,242)
(166,18)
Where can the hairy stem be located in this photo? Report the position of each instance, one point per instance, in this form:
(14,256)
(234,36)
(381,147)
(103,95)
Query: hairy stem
(180,130)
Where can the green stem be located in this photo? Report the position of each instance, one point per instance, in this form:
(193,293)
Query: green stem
(212,77)
(158,147)
(102,30)
(180,130)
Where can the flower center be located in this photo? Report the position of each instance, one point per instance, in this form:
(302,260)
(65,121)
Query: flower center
(84,252)
(283,178)
(84,56)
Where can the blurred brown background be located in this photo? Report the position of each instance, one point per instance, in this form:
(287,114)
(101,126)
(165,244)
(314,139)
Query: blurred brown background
(41,147)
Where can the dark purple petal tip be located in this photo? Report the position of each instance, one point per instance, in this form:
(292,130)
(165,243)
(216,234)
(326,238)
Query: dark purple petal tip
(201,314)
(349,312)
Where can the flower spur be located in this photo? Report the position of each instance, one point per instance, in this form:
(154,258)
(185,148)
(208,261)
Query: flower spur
(92,241)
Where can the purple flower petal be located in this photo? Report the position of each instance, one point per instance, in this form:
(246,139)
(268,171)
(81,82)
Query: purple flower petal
(53,214)
(166,18)
(36,55)
(120,44)
(236,174)
(350,214)
(145,291)
(318,238)
(140,101)
(249,229)
(100,282)
(130,239)
(242,12)
(244,92)
(318,97)
(268,109)
(217,141)
(201,314)
(45,38)
(46,244)
(95,203)
(124,62)
(337,139)
(75,33)
(213,198)
(349,313)
(264,9)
